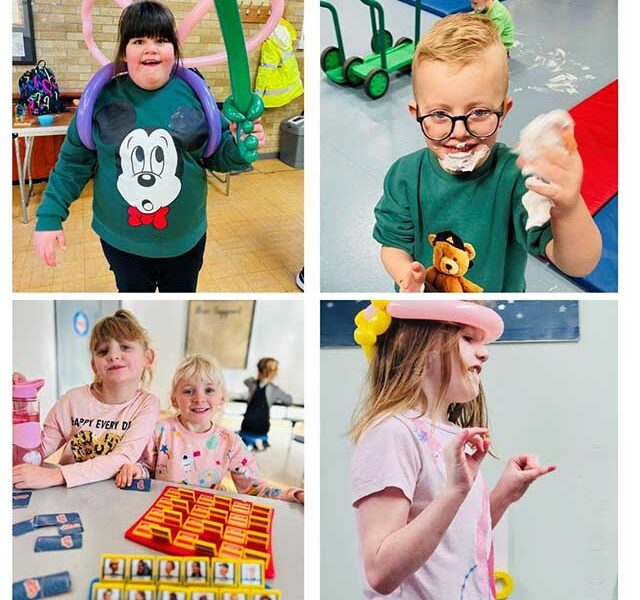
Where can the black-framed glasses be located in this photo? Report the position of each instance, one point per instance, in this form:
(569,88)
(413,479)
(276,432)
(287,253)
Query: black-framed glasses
(480,123)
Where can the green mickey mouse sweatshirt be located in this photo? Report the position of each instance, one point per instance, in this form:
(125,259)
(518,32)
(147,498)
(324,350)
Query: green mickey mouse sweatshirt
(150,187)
(483,208)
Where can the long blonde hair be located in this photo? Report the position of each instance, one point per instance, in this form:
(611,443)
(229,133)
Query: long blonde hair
(122,326)
(395,378)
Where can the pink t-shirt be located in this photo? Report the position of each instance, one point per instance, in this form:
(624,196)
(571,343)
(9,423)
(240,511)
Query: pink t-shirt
(99,437)
(176,454)
(406,452)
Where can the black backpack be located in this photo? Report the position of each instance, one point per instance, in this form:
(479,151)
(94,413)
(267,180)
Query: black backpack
(39,90)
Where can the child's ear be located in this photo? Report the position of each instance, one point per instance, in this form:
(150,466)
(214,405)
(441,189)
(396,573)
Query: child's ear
(508,104)
(413,110)
(150,356)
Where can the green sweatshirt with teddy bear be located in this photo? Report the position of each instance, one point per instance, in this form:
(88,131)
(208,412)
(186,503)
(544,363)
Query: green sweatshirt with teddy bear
(472,220)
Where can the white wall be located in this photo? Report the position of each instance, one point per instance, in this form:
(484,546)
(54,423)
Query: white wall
(558,400)
(278,331)
(34,346)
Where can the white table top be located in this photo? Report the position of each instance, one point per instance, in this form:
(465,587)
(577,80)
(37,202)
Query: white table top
(59,127)
(107,512)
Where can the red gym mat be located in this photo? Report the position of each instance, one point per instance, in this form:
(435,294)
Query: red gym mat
(596,133)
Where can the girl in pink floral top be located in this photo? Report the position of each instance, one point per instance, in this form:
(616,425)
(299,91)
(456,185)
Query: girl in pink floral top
(191,448)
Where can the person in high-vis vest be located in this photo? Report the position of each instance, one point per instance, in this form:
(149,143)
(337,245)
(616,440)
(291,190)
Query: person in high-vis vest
(278,80)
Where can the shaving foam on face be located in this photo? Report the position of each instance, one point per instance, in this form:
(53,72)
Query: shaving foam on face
(458,162)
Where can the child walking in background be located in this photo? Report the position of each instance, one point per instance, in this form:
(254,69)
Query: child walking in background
(424,512)
(191,448)
(263,393)
(451,217)
(150,185)
(107,423)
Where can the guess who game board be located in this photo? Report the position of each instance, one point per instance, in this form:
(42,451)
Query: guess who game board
(187,522)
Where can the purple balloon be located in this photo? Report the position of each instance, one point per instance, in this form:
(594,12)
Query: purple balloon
(84,113)
(208,102)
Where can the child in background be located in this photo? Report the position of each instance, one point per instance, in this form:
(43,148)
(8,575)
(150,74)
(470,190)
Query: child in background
(191,448)
(500,17)
(150,185)
(263,393)
(424,512)
(107,423)
(457,205)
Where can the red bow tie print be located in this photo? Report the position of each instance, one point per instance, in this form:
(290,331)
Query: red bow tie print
(158,219)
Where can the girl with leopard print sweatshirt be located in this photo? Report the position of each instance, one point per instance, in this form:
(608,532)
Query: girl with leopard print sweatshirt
(107,423)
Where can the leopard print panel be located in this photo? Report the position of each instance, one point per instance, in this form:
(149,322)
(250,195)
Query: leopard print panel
(85,445)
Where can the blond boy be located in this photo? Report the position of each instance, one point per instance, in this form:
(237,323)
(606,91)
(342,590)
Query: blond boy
(463,192)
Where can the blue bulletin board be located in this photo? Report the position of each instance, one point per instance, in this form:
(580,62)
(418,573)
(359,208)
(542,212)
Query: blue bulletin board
(524,320)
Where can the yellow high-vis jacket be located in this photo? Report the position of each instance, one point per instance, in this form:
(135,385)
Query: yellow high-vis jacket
(278,80)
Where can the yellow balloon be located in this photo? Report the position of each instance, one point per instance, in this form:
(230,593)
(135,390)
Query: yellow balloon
(381,304)
(368,351)
(380,322)
(507,584)
(361,318)
(364,337)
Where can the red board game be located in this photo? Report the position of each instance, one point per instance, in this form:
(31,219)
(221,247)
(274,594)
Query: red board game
(186,522)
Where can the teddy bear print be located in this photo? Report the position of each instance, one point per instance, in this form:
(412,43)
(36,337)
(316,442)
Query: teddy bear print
(452,258)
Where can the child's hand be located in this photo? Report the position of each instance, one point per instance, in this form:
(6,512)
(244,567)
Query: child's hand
(18,377)
(462,467)
(127,474)
(45,243)
(35,477)
(299,496)
(413,278)
(258,131)
(563,170)
(521,471)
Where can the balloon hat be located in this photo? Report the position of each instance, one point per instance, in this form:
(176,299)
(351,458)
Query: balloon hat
(242,107)
(376,318)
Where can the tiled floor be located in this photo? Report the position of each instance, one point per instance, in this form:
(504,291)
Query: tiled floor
(254,243)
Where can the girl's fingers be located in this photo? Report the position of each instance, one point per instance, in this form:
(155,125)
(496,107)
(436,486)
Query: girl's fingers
(545,470)
(466,434)
(532,474)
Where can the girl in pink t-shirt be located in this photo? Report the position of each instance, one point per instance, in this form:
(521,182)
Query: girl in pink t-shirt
(424,512)
(192,449)
(107,423)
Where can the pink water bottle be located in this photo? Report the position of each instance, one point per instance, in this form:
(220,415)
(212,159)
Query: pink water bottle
(26,422)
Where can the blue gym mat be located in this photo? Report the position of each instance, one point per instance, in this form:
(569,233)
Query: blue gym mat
(605,276)
(442,8)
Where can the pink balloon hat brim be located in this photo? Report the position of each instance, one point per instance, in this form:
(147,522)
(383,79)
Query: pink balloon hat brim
(450,311)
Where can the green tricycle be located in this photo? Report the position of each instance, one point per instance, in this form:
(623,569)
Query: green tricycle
(373,69)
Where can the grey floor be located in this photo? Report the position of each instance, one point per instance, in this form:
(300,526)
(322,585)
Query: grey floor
(565,51)
(283,463)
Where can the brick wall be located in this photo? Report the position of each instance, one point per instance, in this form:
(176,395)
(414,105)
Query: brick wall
(59,41)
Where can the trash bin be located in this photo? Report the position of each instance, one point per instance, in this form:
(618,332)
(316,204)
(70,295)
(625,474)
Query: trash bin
(292,142)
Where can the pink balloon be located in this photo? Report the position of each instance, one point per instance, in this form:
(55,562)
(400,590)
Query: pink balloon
(184,29)
(452,311)
(191,20)
(87,28)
